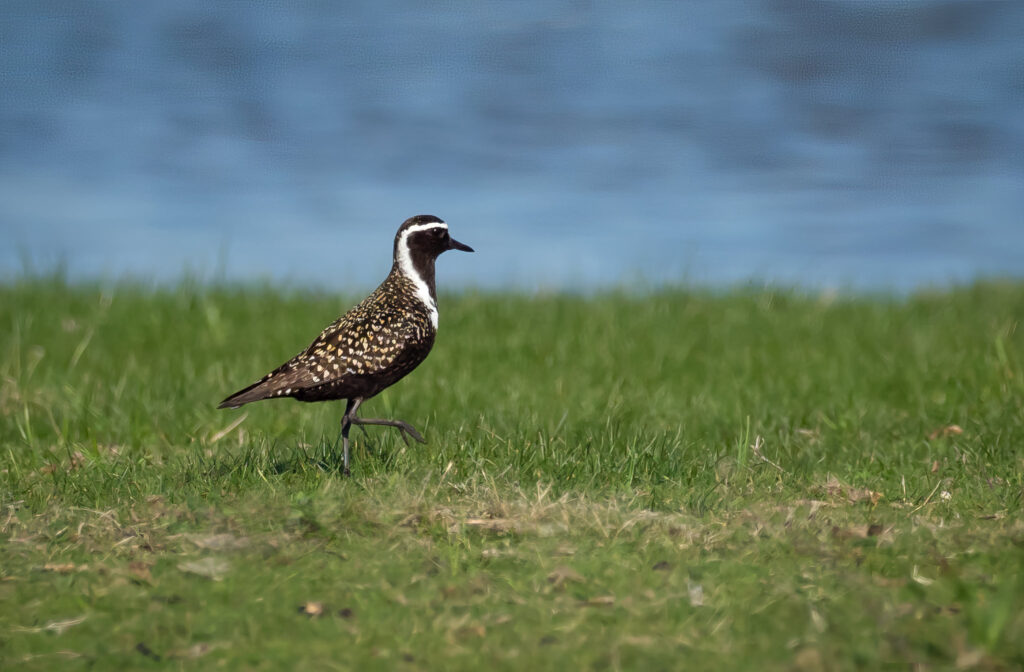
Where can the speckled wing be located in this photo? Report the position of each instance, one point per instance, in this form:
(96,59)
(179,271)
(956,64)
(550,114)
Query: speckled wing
(366,350)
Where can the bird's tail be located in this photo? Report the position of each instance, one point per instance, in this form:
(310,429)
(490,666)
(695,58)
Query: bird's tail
(283,381)
(255,392)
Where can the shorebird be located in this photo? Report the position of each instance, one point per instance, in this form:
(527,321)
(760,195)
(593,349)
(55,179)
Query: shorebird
(373,345)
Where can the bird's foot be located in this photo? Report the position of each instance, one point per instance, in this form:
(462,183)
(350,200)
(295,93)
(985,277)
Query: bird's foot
(405,428)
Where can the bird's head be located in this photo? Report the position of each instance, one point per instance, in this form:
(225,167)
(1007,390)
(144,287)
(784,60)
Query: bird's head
(422,239)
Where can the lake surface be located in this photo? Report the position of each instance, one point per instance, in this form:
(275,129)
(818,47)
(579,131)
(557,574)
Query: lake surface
(858,144)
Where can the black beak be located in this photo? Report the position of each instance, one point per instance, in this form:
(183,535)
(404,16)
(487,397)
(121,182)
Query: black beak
(456,245)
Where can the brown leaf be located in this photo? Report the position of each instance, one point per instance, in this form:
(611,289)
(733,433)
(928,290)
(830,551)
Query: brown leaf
(77,460)
(63,567)
(888,582)
(492,524)
(474,630)
(857,531)
(565,574)
(600,601)
(111,449)
(834,488)
(311,609)
(943,432)
(140,571)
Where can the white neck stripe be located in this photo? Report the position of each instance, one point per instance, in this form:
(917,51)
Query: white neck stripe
(409,271)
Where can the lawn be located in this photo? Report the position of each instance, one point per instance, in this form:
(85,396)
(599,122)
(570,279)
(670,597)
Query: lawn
(661,479)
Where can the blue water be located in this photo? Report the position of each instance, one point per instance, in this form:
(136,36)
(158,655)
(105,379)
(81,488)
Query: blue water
(858,144)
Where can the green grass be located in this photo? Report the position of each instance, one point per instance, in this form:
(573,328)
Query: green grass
(750,479)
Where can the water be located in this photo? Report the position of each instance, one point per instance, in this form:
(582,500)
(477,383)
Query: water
(862,144)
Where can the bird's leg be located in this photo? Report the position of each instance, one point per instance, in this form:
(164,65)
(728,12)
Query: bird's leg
(403,427)
(350,418)
(346,425)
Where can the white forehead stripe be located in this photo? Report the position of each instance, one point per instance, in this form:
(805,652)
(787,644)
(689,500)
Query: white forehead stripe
(424,227)
(405,265)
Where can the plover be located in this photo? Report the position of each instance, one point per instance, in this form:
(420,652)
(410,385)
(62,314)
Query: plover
(373,345)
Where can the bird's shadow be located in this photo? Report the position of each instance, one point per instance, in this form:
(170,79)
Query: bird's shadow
(277,458)
(329,457)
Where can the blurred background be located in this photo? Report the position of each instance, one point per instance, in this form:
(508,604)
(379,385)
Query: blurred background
(852,144)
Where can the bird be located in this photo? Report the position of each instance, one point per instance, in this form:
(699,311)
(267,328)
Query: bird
(373,345)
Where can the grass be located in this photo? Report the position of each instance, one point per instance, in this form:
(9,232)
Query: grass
(751,479)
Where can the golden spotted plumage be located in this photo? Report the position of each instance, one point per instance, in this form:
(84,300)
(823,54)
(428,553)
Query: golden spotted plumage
(367,349)
(373,345)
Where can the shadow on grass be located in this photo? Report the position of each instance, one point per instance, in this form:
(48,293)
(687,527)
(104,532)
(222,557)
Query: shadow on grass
(259,461)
